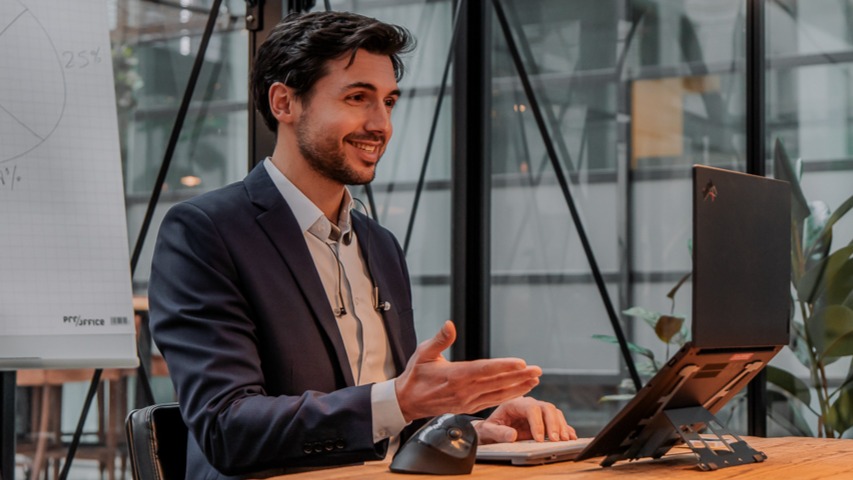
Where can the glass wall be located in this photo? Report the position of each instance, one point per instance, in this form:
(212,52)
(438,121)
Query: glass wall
(633,92)
(154,47)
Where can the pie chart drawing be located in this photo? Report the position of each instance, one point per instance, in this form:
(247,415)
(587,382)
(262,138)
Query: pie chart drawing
(32,82)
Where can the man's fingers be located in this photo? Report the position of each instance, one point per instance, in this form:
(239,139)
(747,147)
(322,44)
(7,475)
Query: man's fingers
(535,421)
(484,391)
(495,367)
(490,398)
(489,432)
(431,349)
(555,424)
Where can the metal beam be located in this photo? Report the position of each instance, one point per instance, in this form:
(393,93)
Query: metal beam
(470,191)
(755,164)
(261,17)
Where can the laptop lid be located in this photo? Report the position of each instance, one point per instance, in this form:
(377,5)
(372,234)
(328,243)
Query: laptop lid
(741,259)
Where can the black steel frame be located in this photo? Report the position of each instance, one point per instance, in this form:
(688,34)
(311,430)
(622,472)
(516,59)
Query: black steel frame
(755,164)
(470,184)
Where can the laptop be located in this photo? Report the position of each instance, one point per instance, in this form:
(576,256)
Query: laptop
(530,452)
(740,321)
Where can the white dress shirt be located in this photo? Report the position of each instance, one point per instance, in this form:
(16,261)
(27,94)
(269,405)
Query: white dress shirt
(348,285)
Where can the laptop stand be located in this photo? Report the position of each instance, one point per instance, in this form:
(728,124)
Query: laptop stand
(718,448)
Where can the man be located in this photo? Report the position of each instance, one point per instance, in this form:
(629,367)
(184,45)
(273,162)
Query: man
(284,315)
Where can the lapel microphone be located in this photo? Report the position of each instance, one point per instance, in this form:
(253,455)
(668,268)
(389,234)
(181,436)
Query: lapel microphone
(379,305)
(346,239)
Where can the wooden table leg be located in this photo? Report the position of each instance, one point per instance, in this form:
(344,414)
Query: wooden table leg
(43,432)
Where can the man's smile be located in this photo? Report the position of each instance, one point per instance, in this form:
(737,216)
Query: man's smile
(363,146)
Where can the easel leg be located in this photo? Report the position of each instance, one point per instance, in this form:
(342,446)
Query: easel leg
(7,425)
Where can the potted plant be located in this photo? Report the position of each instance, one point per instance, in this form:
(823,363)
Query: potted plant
(822,313)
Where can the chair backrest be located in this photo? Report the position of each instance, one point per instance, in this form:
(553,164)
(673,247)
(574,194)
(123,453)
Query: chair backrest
(157,442)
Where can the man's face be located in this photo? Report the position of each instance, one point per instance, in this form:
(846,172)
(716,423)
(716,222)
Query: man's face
(345,123)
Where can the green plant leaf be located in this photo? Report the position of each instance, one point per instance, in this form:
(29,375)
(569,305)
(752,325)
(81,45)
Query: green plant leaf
(813,283)
(789,383)
(839,288)
(667,327)
(798,263)
(847,381)
(648,369)
(825,235)
(839,416)
(631,346)
(816,246)
(618,397)
(784,170)
(831,331)
(648,316)
(799,345)
(683,335)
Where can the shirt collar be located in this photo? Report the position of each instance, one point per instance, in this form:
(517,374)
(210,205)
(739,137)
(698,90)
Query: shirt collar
(308,215)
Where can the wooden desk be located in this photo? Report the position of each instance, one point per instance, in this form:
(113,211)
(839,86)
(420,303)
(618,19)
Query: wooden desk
(789,458)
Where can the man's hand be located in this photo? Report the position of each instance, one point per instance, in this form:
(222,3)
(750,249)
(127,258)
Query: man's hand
(431,385)
(524,419)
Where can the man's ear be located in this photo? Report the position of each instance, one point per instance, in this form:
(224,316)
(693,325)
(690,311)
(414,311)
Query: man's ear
(283,103)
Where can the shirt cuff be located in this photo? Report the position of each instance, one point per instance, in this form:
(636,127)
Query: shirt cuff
(387,418)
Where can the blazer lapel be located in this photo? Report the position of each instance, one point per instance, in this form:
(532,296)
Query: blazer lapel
(283,230)
(373,256)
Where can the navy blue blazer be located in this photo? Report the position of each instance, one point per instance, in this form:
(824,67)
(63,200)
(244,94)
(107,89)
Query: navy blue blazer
(240,315)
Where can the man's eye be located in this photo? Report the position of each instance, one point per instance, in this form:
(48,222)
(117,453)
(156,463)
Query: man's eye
(356,98)
(390,102)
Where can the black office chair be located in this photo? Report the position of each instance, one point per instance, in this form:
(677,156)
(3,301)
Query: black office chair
(157,442)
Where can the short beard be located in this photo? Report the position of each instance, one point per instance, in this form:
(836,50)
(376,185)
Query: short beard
(326,157)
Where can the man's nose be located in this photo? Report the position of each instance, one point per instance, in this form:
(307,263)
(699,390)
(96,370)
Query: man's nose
(379,120)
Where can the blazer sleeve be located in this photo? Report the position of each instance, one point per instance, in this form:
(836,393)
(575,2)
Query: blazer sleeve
(203,325)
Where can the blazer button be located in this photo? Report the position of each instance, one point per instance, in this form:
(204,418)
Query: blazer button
(306,447)
(318,447)
(329,445)
(340,444)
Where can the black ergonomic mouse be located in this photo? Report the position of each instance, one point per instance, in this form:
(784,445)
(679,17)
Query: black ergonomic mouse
(447,445)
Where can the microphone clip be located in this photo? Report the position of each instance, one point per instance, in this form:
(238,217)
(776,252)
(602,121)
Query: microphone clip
(379,305)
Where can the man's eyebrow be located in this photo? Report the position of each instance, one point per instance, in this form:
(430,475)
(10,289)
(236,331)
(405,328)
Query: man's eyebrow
(369,86)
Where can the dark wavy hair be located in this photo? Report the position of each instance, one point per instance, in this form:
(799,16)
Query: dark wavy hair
(298,49)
